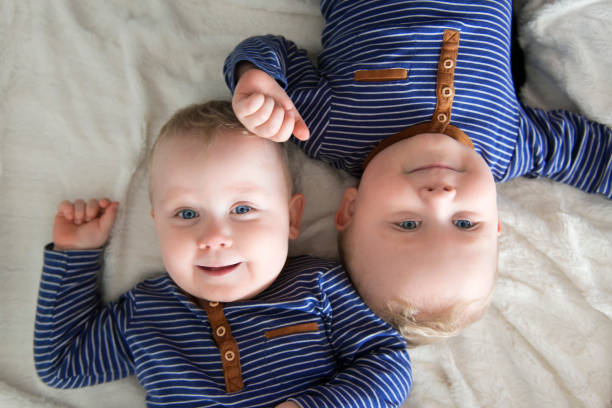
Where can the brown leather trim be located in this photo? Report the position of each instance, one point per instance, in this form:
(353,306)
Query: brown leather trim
(380,75)
(227,345)
(297,328)
(445,90)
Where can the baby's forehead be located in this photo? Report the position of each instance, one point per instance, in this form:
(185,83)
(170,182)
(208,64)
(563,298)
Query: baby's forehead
(231,154)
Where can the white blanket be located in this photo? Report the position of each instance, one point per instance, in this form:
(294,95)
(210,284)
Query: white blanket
(85,86)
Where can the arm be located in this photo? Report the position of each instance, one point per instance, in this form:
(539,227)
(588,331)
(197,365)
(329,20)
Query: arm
(375,368)
(566,147)
(76,341)
(282,95)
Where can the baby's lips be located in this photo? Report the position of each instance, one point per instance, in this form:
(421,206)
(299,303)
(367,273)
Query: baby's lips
(219,270)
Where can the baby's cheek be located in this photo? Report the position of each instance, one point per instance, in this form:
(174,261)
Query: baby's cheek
(272,245)
(175,251)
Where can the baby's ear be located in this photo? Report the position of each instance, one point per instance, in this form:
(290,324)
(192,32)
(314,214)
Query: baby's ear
(346,209)
(296,209)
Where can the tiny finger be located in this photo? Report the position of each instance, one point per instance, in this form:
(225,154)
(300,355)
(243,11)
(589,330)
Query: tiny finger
(92,209)
(287,127)
(300,130)
(108,217)
(105,202)
(79,211)
(248,105)
(262,114)
(66,210)
(270,129)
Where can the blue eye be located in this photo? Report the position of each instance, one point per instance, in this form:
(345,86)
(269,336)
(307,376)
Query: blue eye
(187,214)
(409,225)
(241,209)
(464,224)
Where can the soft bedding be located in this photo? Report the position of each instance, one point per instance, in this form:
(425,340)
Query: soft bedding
(85,86)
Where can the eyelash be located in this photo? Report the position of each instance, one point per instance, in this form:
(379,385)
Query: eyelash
(399,225)
(181,213)
(248,207)
(471,227)
(418,224)
(178,214)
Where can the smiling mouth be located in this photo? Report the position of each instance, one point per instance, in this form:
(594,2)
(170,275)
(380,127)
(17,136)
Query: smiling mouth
(218,270)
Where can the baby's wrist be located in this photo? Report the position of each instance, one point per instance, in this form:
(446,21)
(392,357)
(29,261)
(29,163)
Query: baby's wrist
(242,67)
(67,250)
(60,248)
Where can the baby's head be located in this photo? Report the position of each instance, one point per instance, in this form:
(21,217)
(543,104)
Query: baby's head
(419,236)
(222,204)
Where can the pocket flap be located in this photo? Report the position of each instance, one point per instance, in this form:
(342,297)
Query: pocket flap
(381,75)
(293,329)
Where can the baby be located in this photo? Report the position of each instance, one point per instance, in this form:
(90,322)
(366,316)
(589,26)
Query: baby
(233,322)
(416,99)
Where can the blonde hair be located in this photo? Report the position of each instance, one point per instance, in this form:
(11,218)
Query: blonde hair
(404,316)
(205,118)
(204,121)
(447,323)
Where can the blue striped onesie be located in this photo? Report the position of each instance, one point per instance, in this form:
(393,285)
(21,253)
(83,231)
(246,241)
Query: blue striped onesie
(351,358)
(347,118)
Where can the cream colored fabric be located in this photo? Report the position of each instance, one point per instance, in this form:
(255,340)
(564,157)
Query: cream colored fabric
(85,85)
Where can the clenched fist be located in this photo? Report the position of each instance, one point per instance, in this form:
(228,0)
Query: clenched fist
(264,108)
(83,225)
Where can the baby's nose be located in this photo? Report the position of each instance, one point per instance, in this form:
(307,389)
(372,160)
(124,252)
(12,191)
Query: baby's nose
(214,237)
(438,192)
(215,243)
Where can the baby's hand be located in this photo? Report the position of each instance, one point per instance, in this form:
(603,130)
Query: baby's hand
(264,108)
(83,225)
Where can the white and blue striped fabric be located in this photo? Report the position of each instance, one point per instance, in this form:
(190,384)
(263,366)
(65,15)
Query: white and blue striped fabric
(160,334)
(347,119)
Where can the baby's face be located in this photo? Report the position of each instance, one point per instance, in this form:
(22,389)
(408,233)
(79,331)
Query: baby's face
(423,225)
(223,213)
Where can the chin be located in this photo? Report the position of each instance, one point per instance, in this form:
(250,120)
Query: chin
(226,298)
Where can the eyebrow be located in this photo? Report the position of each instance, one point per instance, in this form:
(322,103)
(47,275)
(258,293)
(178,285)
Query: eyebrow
(248,188)
(179,194)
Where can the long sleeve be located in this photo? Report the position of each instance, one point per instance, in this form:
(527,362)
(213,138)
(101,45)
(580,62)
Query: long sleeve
(374,365)
(564,146)
(295,72)
(77,342)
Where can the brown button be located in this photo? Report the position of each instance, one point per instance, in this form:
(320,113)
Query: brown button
(213,304)
(229,355)
(448,63)
(442,117)
(220,331)
(447,91)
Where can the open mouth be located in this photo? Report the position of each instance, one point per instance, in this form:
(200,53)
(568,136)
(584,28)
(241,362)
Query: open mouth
(218,270)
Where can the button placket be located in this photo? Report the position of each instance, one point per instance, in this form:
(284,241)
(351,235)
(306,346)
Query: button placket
(227,346)
(444,86)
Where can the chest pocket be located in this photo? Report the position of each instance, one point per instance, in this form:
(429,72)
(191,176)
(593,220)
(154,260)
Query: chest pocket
(305,348)
(381,75)
(293,329)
